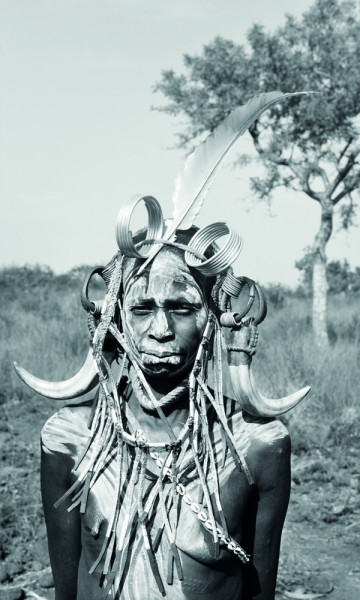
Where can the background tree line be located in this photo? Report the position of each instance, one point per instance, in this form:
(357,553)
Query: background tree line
(34,283)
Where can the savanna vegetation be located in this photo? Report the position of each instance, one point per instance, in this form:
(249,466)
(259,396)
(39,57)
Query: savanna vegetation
(43,328)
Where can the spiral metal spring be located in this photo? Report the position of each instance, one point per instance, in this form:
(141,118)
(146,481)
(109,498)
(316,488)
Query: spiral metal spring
(123,233)
(223,258)
(232,285)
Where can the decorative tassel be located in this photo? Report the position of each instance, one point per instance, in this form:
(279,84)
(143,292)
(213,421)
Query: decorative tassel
(218,376)
(236,454)
(122,535)
(214,472)
(205,490)
(85,494)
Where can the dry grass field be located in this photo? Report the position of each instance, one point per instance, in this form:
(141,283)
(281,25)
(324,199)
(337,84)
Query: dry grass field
(43,327)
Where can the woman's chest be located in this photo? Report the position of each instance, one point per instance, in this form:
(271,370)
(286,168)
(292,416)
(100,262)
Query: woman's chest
(191,513)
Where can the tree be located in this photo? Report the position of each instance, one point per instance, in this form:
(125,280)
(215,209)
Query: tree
(310,144)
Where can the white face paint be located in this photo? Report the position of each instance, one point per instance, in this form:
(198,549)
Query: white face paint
(164,316)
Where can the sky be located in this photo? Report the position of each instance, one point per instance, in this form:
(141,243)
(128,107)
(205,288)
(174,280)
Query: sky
(78,135)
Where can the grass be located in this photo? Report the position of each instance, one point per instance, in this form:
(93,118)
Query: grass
(288,359)
(43,328)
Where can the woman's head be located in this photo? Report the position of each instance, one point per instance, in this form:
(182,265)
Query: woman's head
(165,311)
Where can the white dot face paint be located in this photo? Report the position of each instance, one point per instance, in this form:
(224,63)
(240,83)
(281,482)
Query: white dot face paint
(164,316)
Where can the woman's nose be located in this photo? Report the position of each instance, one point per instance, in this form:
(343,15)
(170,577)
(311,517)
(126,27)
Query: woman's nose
(160,327)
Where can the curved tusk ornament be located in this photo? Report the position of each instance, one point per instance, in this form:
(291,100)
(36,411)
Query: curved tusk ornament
(242,380)
(247,394)
(84,381)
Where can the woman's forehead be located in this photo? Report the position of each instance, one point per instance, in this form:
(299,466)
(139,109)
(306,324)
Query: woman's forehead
(168,277)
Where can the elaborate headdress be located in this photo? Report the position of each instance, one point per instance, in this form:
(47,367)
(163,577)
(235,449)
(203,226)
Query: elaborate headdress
(111,420)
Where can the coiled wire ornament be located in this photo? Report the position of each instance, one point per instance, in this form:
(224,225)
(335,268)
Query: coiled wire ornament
(155,225)
(235,319)
(223,258)
(94,306)
(232,285)
(202,239)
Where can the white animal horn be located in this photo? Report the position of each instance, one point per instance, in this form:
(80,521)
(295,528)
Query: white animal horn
(84,381)
(253,401)
(242,380)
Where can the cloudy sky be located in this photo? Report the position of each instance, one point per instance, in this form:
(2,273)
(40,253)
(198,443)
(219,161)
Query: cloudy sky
(78,135)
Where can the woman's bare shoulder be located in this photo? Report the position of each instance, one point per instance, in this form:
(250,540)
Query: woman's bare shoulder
(66,430)
(256,431)
(263,442)
(264,431)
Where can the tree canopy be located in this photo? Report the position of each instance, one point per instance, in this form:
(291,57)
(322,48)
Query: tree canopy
(310,143)
(302,140)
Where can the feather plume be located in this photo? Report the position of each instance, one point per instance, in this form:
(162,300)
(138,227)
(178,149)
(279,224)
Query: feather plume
(194,181)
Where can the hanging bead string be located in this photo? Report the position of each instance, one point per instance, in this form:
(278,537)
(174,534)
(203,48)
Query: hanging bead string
(214,472)
(165,468)
(200,367)
(205,489)
(220,401)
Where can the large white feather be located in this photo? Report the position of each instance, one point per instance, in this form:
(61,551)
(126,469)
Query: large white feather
(194,181)
(192,184)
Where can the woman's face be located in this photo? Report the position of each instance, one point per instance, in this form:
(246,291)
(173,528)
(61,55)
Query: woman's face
(165,314)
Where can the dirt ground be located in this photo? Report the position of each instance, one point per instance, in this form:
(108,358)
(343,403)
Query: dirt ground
(321,540)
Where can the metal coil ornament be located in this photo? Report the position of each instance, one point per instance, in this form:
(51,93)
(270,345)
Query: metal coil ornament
(230,319)
(221,259)
(194,252)
(235,319)
(108,271)
(123,232)
(232,285)
(90,306)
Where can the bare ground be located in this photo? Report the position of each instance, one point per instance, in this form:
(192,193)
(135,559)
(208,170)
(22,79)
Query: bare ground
(321,541)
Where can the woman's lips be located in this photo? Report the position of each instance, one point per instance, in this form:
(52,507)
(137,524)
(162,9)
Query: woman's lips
(152,358)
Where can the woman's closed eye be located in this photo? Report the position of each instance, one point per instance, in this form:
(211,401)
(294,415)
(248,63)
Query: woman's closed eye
(184,309)
(141,310)
(173,307)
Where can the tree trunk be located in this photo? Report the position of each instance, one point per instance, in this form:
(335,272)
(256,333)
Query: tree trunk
(319,309)
(319,279)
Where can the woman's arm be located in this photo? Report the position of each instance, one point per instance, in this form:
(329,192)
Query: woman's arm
(63,527)
(273,478)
